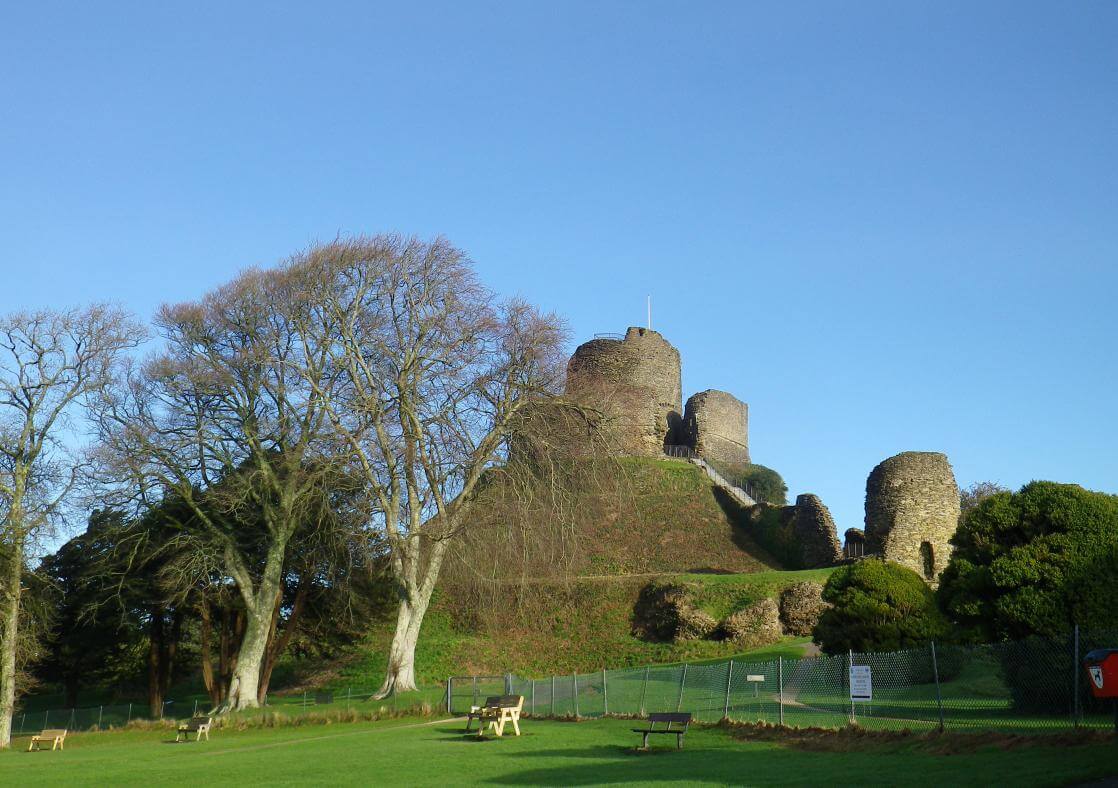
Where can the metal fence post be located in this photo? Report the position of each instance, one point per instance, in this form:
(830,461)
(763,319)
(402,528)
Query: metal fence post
(475,691)
(780,687)
(605,694)
(533,697)
(682,682)
(849,666)
(729,678)
(349,694)
(644,689)
(195,714)
(129,712)
(101,711)
(508,683)
(1075,681)
(935,675)
(553,695)
(574,692)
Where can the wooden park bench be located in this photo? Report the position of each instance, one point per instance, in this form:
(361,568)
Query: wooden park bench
(56,737)
(198,725)
(672,717)
(495,713)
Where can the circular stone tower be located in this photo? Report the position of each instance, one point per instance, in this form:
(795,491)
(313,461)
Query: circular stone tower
(912,510)
(637,383)
(716,426)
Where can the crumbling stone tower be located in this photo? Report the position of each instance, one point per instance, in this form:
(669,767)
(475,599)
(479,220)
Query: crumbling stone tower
(716,426)
(912,510)
(637,382)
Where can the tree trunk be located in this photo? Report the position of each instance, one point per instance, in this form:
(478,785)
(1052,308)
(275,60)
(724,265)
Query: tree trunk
(9,631)
(155,653)
(213,688)
(401,656)
(245,685)
(278,644)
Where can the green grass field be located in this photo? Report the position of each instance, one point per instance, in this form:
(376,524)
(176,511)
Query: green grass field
(423,752)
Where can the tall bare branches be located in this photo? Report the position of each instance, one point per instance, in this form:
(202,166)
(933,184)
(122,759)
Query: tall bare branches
(51,365)
(432,373)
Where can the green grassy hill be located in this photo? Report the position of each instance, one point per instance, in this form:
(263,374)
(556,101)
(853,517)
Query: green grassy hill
(663,519)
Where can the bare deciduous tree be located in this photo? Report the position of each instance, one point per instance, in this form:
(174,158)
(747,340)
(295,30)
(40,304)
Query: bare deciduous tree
(220,421)
(432,374)
(51,365)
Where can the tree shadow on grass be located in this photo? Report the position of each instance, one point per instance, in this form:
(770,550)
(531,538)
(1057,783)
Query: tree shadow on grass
(617,764)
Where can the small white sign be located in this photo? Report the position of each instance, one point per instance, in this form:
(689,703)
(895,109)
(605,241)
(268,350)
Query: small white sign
(755,677)
(861,684)
(1096,675)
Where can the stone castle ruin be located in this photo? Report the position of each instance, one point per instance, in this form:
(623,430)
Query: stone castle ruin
(635,382)
(912,511)
(716,426)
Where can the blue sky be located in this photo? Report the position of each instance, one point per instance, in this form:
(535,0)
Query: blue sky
(887,226)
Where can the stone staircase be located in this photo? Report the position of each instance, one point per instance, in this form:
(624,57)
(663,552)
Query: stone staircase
(736,493)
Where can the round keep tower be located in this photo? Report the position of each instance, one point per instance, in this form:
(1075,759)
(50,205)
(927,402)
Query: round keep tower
(637,383)
(912,511)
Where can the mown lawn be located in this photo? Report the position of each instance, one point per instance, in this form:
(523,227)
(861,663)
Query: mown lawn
(416,752)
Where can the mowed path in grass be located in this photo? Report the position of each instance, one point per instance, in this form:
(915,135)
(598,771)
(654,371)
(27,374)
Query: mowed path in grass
(402,752)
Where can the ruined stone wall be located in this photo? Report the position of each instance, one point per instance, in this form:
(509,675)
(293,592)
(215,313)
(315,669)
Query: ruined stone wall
(637,383)
(912,510)
(716,426)
(815,530)
(855,544)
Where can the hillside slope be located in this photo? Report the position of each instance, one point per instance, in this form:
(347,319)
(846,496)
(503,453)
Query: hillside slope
(501,607)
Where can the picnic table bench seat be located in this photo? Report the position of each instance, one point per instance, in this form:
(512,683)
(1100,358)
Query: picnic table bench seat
(680,718)
(56,737)
(197,725)
(495,713)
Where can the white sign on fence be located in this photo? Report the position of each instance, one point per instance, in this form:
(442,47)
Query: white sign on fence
(861,684)
(755,677)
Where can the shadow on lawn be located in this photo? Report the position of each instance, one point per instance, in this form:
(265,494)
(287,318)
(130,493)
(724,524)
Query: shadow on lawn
(618,764)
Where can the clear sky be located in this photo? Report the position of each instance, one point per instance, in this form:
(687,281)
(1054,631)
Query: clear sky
(887,226)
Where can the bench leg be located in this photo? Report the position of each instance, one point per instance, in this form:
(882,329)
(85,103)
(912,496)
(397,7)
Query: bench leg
(679,741)
(516,726)
(644,741)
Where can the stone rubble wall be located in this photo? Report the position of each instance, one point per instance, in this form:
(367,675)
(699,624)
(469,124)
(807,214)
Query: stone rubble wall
(912,511)
(814,528)
(636,382)
(716,426)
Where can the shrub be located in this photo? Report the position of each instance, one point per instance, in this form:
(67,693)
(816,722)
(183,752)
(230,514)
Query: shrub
(766,484)
(877,606)
(1035,562)
(756,625)
(801,605)
(664,612)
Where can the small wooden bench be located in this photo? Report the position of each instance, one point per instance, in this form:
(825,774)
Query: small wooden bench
(56,737)
(673,717)
(496,713)
(198,725)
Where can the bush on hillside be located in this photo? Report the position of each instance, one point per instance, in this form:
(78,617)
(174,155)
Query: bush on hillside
(801,605)
(766,484)
(753,626)
(1035,562)
(664,612)
(877,606)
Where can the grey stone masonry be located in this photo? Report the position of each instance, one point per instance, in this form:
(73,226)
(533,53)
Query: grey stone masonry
(814,529)
(716,426)
(912,511)
(636,382)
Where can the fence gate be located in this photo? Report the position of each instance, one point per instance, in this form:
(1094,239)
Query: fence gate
(462,692)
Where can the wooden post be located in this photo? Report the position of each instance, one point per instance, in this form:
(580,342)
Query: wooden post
(682,682)
(729,678)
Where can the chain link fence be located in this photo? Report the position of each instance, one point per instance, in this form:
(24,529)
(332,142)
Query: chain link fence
(292,704)
(1033,685)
